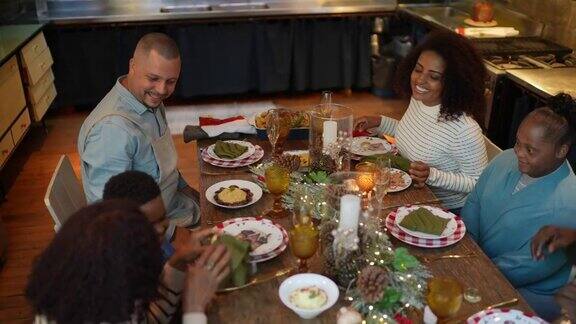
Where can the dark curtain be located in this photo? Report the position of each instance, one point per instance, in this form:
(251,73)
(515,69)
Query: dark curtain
(263,56)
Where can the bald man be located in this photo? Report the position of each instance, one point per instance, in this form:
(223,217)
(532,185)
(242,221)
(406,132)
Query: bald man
(128,130)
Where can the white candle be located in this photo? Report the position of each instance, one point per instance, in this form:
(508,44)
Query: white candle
(329,132)
(349,212)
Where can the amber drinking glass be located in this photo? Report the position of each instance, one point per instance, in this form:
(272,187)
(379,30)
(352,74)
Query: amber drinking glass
(444,297)
(277,181)
(277,127)
(303,238)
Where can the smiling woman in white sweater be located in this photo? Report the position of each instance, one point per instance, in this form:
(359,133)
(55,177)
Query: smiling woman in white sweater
(444,76)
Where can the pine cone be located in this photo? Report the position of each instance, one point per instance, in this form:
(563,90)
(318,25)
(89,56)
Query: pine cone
(289,162)
(324,163)
(371,283)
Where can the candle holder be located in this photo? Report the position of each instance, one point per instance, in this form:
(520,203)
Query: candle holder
(347,227)
(330,136)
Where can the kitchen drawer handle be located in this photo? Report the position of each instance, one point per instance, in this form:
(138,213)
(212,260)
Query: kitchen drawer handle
(4,152)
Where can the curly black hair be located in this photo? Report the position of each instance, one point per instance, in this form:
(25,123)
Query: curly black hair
(463,79)
(104,260)
(132,185)
(559,118)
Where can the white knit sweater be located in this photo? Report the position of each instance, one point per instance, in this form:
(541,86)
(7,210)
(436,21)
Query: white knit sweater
(454,150)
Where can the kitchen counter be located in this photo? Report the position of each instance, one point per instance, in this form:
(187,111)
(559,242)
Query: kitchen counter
(452,17)
(546,82)
(13,37)
(127,11)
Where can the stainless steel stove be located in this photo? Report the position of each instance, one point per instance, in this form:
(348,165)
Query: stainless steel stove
(502,54)
(506,54)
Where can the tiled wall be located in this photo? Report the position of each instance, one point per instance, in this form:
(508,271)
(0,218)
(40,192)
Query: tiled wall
(559,16)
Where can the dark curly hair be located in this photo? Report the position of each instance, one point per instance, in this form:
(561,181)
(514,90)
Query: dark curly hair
(559,118)
(463,79)
(132,185)
(104,260)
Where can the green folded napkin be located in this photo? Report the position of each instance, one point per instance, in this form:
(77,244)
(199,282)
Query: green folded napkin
(396,161)
(238,258)
(227,150)
(422,220)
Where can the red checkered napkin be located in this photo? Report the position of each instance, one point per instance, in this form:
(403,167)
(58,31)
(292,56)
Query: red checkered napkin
(233,164)
(504,315)
(398,233)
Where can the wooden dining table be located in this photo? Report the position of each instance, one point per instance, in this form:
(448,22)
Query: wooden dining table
(260,303)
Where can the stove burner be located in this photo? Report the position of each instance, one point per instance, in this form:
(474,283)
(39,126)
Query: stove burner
(555,61)
(510,62)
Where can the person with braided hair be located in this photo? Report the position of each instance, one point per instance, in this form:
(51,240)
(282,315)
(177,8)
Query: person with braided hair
(522,190)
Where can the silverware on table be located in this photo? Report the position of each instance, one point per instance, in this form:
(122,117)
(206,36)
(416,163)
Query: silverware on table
(259,279)
(509,302)
(429,259)
(224,173)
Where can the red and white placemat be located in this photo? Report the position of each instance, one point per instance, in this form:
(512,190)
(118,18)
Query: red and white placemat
(277,242)
(258,154)
(504,315)
(425,242)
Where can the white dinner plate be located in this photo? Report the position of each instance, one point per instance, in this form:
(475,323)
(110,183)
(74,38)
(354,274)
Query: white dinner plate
(271,233)
(366,146)
(450,227)
(254,188)
(504,316)
(249,152)
(405,177)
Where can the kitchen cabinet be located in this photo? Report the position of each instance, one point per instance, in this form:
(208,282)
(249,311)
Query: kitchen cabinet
(26,83)
(12,107)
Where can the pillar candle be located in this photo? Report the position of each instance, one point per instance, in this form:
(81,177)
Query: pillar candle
(329,132)
(349,212)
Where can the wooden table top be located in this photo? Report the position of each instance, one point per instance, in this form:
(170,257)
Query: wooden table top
(261,304)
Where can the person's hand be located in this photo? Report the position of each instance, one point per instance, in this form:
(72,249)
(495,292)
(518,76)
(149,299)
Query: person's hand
(204,277)
(419,172)
(566,298)
(187,250)
(554,238)
(366,122)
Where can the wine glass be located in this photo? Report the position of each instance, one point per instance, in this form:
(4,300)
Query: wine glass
(303,236)
(444,297)
(382,182)
(277,180)
(277,127)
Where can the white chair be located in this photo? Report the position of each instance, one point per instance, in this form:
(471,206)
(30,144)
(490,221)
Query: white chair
(491,149)
(65,194)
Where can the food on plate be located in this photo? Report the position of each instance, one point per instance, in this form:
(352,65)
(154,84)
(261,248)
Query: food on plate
(396,161)
(370,146)
(233,196)
(298,119)
(254,238)
(397,180)
(229,150)
(310,297)
(424,221)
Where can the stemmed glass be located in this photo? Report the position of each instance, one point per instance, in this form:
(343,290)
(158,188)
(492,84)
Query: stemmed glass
(304,235)
(277,181)
(444,297)
(277,127)
(382,182)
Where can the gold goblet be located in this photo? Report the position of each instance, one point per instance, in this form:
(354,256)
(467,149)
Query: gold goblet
(303,238)
(277,181)
(444,297)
